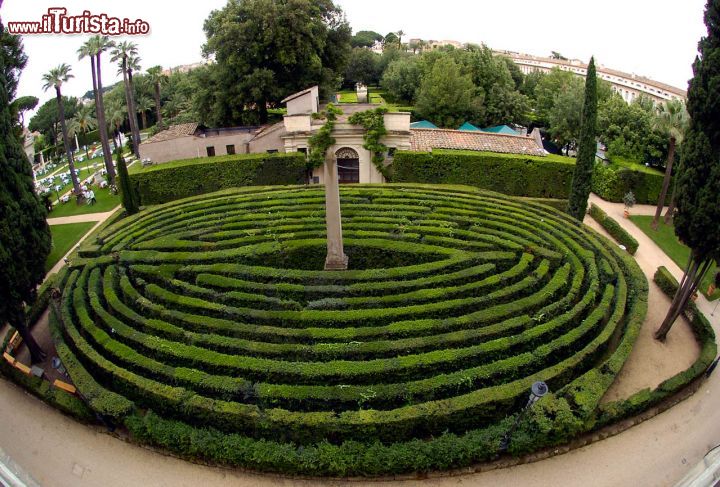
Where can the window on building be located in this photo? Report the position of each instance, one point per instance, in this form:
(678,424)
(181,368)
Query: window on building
(210,150)
(391,151)
(272,151)
(303,150)
(230,149)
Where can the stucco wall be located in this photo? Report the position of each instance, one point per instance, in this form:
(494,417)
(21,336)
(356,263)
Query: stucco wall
(269,140)
(190,146)
(307,103)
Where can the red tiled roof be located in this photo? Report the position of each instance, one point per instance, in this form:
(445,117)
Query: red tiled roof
(173,132)
(428,139)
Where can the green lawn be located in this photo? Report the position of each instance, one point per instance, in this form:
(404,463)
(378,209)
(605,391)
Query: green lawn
(348,96)
(105,202)
(665,238)
(63,238)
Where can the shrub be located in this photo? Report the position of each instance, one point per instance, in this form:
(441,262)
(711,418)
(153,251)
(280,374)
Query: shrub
(180,179)
(614,229)
(539,177)
(613,182)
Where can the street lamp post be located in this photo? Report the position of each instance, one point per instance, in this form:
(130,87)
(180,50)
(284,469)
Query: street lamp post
(537,390)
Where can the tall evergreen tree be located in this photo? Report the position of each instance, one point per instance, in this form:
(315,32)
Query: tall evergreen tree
(698,200)
(587,147)
(127,194)
(24,233)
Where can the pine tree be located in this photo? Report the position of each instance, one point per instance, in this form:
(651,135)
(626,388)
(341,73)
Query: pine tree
(587,147)
(698,202)
(24,232)
(127,193)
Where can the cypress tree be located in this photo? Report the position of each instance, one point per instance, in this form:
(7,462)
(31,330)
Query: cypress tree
(127,193)
(24,232)
(698,185)
(587,147)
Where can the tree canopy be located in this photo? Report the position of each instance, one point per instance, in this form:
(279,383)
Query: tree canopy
(698,198)
(47,118)
(363,67)
(365,38)
(267,49)
(402,78)
(446,95)
(24,233)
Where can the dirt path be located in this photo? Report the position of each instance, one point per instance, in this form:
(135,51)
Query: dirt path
(89,217)
(650,361)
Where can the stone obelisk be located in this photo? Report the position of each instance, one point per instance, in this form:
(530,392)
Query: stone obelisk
(336,259)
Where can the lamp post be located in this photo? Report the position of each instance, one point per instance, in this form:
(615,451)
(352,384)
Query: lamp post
(537,391)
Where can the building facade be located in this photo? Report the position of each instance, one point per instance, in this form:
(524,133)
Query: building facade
(354,162)
(629,86)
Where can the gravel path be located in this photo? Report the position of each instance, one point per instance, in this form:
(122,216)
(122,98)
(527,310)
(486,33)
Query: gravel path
(57,451)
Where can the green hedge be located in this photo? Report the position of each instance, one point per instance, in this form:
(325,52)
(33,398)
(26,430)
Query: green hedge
(517,175)
(614,229)
(613,182)
(205,312)
(175,180)
(646,398)
(43,390)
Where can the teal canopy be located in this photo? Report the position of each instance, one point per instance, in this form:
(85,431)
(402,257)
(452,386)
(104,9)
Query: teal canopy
(500,129)
(468,126)
(423,124)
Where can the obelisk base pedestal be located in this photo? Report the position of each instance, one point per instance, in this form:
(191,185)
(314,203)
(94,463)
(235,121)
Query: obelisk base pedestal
(333,263)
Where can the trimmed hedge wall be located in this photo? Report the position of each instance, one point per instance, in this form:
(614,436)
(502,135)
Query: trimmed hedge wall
(612,182)
(180,179)
(614,228)
(208,326)
(516,175)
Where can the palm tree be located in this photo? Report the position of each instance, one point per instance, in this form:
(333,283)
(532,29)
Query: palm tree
(157,78)
(123,53)
(133,65)
(672,118)
(116,116)
(144,105)
(83,122)
(400,34)
(93,47)
(55,79)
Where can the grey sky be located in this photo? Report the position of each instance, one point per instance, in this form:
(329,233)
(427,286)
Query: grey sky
(655,38)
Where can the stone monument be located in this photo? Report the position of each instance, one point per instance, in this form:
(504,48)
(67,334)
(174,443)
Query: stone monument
(336,259)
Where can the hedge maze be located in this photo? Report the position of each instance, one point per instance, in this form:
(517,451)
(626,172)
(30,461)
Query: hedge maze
(211,319)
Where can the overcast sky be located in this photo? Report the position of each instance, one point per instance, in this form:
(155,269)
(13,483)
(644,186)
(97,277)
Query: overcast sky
(655,38)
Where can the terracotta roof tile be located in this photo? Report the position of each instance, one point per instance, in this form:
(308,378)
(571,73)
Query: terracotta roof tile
(173,132)
(428,139)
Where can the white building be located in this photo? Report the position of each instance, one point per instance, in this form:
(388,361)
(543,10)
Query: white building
(629,86)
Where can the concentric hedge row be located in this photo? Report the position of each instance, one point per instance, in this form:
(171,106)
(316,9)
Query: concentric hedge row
(214,312)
